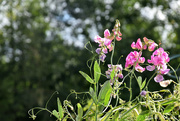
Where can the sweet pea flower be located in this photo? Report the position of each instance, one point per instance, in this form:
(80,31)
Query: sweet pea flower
(97,39)
(104,50)
(143,93)
(118,38)
(133,45)
(106,33)
(159,58)
(98,50)
(158,78)
(150,43)
(138,45)
(139,68)
(150,68)
(107,42)
(102,57)
(152,46)
(117,70)
(165,83)
(135,58)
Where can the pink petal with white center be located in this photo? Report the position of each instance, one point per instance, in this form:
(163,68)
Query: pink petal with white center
(138,68)
(133,45)
(97,39)
(106,33)
(165,71)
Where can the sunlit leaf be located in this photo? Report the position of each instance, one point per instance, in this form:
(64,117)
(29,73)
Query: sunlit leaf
(93,95)
(139,80)
(60,109)
(55,113)
(169,108)
(87,77)
(143,84)
(80,112)
(97,72)
(105,93)
(112,75)
(169,102)
(142,116)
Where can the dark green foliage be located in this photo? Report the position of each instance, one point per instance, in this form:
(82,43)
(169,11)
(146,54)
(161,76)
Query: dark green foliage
(33,64)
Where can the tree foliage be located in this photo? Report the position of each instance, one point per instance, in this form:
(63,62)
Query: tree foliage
(36,59)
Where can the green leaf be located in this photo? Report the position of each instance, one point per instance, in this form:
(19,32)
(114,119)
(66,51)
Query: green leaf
(142,116)
(139,80)
(105,93)
(87,77)
(169,108)
(97,72)
(169,102)
(143,84)
(60,109)
(116,116)
(112,74)
(80,112)
(93,95)
(55,113)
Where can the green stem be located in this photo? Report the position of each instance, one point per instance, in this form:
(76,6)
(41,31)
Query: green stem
(112,53)
(130,83)
(174,73)
(95,89)
(149,81)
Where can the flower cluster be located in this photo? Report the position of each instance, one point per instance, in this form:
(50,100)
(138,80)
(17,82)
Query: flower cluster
(143,45)
(133,59)
(106,43)
(159,59)
(117,72)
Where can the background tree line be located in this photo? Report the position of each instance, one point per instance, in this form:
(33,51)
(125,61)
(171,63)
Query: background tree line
(42,45)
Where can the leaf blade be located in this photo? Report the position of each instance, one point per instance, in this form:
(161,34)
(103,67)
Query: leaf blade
(87,77)
(97,72)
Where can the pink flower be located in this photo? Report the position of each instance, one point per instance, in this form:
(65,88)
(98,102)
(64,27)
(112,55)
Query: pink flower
(138,68)
(131,60)
(110,47)
(139,44)
(158,78)
(117,71)
(150,68)
(152,46)
(133,45)
(97,39)
(107,42)
(143,93)
(102,57)
(165,71)
(106,33)
(118,38)
(141,60)
(150,43)
(146,40)
(98,50)
(104,50)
